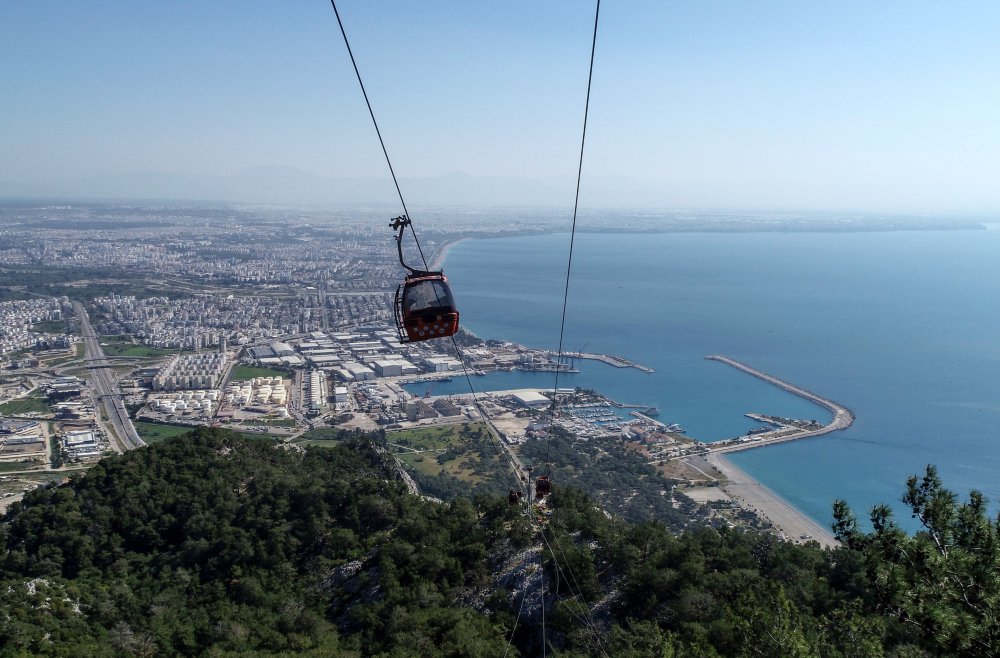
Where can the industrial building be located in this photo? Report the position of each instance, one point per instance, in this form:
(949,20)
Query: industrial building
(356,372)
(282,349)
(418,410)
(530,399)
(316,391)
(81,444)
(441,364)
(446,408)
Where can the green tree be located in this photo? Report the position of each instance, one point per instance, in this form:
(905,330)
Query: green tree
(944,581)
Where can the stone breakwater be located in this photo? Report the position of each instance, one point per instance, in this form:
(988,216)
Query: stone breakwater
(842,416)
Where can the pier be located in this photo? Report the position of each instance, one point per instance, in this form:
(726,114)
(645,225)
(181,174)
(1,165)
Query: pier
(842,416)
(616,361)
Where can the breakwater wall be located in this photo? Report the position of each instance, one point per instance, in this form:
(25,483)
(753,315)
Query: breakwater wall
(842,416)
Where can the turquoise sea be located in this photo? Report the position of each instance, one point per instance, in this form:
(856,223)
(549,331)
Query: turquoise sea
(902,327)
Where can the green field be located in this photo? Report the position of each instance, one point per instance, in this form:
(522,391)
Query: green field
(117,339)
(243,373)
(153,432)
(50,326)
(135,350)
(7,467)
(79,350)
(261,436)
(319,443)
(438,437)
(323,435)
(445,450)
(279,422)
(33,403)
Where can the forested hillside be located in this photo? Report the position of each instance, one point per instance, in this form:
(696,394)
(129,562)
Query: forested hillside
(212,544)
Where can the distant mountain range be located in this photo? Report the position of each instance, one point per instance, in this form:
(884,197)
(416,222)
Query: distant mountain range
(288,185)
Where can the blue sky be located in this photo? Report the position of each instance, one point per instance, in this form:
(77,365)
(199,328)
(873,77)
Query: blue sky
(852,105)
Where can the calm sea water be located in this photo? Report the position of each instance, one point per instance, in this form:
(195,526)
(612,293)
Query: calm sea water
(902,327)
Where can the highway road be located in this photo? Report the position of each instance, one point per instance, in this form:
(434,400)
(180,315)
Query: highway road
(103,381)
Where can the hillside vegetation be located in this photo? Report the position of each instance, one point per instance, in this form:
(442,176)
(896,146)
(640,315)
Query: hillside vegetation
(211,544)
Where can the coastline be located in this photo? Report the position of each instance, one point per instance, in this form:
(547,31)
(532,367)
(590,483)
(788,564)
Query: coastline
(750,494)
(437,260)
(743,489)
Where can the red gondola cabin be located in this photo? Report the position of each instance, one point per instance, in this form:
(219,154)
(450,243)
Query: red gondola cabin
(543,487)
(425,308)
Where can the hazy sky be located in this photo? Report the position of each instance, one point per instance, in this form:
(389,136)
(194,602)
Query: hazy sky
(860,105)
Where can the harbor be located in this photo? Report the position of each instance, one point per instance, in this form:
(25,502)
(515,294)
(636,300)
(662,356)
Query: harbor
(737,486)
(616,361)
(787,429)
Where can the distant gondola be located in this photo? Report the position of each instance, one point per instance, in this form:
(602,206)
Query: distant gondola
(543,486)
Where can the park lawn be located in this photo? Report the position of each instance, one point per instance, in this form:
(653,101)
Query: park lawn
(242,373)
(33,403)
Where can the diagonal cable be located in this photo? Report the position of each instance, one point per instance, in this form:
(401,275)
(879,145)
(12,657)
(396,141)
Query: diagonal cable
(378,132)
(572,235)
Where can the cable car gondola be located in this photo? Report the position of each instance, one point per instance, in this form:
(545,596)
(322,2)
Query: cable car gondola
(424,306)
(543,487)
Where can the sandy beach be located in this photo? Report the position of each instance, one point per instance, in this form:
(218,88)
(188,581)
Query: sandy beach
(751,494)
(439,255)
